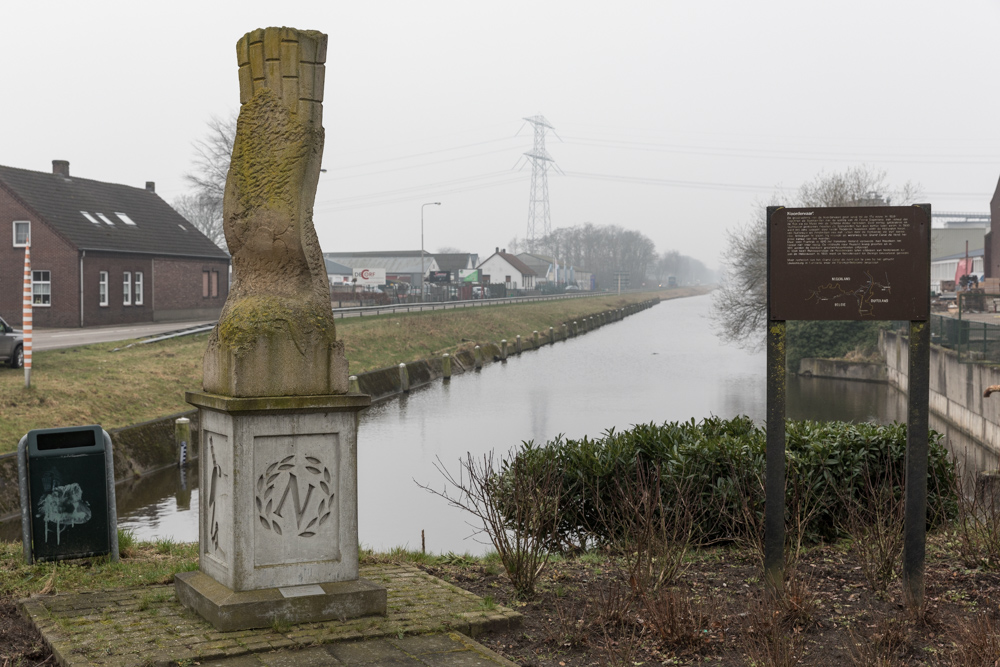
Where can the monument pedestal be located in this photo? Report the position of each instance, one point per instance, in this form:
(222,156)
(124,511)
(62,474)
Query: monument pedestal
(278,535)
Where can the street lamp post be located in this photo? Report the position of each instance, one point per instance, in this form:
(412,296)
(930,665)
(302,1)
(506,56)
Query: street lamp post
(433,203)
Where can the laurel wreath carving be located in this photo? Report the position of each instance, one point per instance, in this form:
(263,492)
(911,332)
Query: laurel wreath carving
(264,498)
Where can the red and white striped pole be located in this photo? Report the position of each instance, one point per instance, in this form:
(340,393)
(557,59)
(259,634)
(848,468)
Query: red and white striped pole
(26,315)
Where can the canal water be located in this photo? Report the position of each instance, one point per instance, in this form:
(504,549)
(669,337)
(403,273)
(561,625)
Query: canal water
(662,364)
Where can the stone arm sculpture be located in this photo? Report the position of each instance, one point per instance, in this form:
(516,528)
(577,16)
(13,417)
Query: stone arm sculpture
(276,335)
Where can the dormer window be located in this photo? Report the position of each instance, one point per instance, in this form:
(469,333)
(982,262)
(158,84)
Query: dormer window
(22,233)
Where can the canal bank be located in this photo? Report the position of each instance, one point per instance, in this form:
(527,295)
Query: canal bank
(149,447)
(956,389)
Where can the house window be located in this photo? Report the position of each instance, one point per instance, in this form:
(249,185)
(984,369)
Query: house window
(138,288)
(22,232)
(102,289)
(215,284)
(41,288)
(127,288)
(507,279)
(205,277)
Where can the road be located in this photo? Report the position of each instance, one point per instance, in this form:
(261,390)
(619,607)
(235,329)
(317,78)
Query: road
(54,339)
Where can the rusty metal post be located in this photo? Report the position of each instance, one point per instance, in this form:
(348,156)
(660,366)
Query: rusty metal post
(774,481)
(915,517)
(774,475)
(918,397)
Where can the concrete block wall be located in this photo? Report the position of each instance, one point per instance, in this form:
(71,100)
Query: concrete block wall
(956,389)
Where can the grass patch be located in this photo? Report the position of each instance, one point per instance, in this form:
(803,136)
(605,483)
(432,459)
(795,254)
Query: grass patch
(93,385)
(146,566)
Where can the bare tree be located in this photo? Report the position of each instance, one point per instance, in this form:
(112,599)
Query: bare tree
(739,305)
(204,217)
(862,185)
(603,250)
(203,207)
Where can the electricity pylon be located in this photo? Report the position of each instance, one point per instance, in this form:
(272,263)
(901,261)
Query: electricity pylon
(539,222)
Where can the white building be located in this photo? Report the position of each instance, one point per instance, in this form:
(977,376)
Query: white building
(506,269)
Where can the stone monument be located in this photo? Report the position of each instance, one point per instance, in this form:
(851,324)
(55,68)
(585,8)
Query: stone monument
(278,471)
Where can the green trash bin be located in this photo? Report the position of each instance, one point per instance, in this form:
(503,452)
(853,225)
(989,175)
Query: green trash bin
(67,485)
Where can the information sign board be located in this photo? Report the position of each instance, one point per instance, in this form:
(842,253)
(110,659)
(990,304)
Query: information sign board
(849,263)
(373,277)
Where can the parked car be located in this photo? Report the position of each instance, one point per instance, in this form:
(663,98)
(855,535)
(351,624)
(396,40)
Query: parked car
(11,345)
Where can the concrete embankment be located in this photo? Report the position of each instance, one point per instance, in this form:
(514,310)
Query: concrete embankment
(956,389)
(138,450)
(843,370)
(150,446)
(386,382)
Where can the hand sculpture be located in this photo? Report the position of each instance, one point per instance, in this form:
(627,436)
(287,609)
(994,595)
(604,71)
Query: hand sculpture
(276,334)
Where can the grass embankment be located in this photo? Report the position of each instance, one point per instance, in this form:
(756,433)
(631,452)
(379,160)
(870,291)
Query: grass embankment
(94,385)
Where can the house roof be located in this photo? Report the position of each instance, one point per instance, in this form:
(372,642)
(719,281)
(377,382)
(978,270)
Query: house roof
(121,218)
(336,269)
(402,261)
(540,265)
(521,267)
(455,261)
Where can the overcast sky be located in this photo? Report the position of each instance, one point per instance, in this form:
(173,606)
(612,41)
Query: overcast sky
(674,117)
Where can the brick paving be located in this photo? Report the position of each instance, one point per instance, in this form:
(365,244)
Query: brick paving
(147,626)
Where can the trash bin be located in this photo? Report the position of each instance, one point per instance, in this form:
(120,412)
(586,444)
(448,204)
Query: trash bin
(67,485)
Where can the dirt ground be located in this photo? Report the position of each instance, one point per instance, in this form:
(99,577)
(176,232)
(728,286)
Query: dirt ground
(584,613)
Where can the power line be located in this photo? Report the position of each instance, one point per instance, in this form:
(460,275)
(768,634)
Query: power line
(776,155)
(418,196)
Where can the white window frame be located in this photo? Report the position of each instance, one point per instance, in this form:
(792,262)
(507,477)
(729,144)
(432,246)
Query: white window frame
(102,289)
(36,294)
(18,223)
(127,288)
(138,288)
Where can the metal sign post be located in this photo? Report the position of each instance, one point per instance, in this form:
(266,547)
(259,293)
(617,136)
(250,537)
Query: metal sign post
(849,263)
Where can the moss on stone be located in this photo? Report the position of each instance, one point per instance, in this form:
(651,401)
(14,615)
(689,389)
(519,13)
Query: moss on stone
(254,317)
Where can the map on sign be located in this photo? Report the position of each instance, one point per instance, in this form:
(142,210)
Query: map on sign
(858,263)
(843,291)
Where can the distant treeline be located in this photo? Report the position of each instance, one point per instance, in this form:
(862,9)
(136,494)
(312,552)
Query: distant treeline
(610,250)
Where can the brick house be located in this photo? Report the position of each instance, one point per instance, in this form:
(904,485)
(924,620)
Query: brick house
(102,253)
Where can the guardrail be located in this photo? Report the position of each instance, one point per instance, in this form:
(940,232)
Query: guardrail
(361,311)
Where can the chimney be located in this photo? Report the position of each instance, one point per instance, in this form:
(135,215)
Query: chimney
(504,251)
(150,186)
(60,167)
(498,249)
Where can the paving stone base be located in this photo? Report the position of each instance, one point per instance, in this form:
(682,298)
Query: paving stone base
(229,610)
(148,626)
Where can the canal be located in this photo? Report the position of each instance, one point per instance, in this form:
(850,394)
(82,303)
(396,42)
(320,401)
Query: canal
(662,364)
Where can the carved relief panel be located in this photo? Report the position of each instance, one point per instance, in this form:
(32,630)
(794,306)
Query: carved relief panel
(296,482)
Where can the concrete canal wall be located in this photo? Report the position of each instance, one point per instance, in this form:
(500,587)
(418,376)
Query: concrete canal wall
(956,389)
(138,450)
(843,370)
(150,446)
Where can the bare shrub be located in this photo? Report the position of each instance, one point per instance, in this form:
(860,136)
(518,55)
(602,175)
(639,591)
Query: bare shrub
(770,640)
(675,618)
(618,624)
(977,528)
(518,505)
(874,521)
(883,645)
(978,642)
(652,519)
